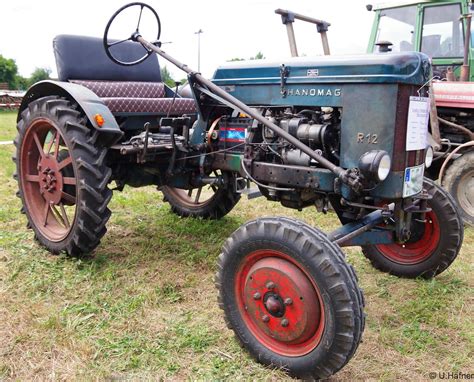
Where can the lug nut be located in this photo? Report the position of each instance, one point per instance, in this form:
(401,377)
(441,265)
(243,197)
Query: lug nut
(270,285)
(265,318)
(288,301)
(257,296)
(284,322)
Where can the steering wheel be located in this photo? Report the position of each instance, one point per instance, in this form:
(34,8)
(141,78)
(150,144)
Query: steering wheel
(134,36)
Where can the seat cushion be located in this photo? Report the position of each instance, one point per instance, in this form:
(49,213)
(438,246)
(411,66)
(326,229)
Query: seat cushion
(129,89)
(150,105)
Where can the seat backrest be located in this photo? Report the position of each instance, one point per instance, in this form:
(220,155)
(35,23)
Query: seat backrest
(84,58)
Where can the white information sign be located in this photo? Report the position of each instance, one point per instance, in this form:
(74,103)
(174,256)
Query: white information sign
(417,129)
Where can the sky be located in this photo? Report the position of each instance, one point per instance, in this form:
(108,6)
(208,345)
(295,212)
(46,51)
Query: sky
(231,28)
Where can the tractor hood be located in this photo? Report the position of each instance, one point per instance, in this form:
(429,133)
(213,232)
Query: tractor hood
(408,68)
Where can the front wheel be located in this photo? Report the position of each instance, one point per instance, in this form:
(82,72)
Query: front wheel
(290,297)
(434,245)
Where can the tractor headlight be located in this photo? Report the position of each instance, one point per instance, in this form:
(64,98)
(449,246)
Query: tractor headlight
(429,154)
(375,165)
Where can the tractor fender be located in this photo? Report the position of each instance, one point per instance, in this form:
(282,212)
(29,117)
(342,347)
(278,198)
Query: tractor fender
(88,101)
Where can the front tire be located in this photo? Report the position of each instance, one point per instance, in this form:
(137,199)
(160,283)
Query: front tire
(62,178)
(290,297)
(437,241)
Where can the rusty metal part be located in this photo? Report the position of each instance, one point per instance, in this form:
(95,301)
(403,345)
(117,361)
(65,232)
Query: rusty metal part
(211,130)
(450,76)
(450,156)
(434,123)
(467,47)
(288,19)
(45,183)
(463,129)
(293,176)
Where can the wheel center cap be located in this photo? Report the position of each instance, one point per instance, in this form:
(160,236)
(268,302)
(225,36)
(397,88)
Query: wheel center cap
(274,305)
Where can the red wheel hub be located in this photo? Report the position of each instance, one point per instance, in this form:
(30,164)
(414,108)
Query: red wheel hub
(410,253)
(50,179)
(280,303)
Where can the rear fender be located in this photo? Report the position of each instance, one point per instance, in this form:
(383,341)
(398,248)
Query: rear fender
(88,102)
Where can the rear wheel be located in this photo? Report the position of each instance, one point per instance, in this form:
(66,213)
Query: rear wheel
(207,202)
(434,245)
(290,297)
(61,176)
(459,181)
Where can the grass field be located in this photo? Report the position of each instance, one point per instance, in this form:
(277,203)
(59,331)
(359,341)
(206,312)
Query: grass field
(144,305)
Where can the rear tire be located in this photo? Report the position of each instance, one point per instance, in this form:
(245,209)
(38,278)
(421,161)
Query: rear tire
(438,241)
(62,178)
(277,269)
(215,203)
(459,182)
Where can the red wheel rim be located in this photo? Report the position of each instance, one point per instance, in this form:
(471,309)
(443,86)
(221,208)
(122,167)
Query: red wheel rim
(415,252)
(280,303)
(48,179)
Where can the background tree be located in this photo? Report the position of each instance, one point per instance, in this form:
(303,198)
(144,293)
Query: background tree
(258,56)
(39,74)
(8,71)
(166,77)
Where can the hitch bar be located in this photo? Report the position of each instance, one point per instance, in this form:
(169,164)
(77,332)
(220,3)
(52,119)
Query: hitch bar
(343,236)
(345,175)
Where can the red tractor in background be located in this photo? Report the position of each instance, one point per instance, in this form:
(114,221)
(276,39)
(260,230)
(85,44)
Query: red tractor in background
(442,30)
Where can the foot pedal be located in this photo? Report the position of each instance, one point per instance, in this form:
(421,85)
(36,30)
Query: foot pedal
(242,186)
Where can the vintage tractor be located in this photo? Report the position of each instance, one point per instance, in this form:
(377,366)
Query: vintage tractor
(348,131)
(443,31)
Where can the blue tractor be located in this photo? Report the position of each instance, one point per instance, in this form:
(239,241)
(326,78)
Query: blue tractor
(348,131)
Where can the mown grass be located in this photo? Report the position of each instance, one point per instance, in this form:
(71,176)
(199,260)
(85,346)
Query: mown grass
(144,305)
(7,125)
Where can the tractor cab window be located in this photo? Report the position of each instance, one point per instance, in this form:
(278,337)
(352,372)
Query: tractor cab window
(442,31)
(397,25)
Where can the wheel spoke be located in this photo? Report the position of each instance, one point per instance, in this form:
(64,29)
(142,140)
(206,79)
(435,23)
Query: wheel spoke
(69,198)
(190,192)
(214,187)
(46,213)
(69,180)
(65,163)
(62,218)
(39,146)
(64,215)
(50,144)
(56,146)
(140,17)
(198,195)
(32,178)
(117,42)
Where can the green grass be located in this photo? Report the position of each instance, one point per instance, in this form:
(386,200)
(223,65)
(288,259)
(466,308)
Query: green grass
(7,125)
(144,305)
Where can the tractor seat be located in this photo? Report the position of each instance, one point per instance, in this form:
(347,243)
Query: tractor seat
(138,97)
(124,89)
